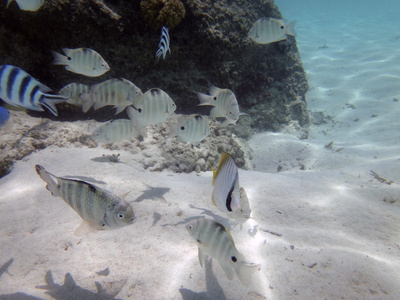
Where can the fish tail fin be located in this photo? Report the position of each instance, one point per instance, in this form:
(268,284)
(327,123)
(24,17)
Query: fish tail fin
(52,186)
(204,99)
(8,3)
(59,59)
(88,101)
(290,28)
(51,100)
(245,271)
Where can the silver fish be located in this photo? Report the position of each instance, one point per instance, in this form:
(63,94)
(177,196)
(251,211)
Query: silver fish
(243,214)
(98,208)
(117,92)
(163,45)
(153,107)
(193,129)
(269,30)
(115,131)
(226,193)
(214,239)
(83,61)
(224,102)
(20,89)
(30,5)
(72,92)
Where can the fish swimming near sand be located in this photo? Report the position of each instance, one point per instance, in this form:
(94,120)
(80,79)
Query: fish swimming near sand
(270,30)
(72,92)
(115,131)
(20,89)
(82,61)
(224,102)
(163,45)
(192,129)
(30,5)
(4,117)
(243,214)
(226,192)
(98,208)
(117,92)
(153,107)
(215,240)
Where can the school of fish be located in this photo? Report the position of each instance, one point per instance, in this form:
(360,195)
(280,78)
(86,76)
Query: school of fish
(99,209)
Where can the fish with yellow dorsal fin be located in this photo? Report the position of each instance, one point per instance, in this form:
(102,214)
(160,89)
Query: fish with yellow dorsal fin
(226,193)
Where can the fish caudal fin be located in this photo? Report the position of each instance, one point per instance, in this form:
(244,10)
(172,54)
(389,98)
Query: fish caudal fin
(245,271)
(59,59)
(52,186)
(8,3)
(51,100)
(205,99)
(290,28)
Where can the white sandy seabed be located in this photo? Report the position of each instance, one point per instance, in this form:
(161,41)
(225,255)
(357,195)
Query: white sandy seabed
(323,227)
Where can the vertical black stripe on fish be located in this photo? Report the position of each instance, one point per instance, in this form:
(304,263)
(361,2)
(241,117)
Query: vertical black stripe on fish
(229,198)
(23,87)
(33,94)
(10,81)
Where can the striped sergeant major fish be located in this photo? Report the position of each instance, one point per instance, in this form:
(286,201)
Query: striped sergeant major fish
(215,240)
(98,208)
(163,45)
(224,102)
(270,30)
(18,88)
(226,192)
(83,61)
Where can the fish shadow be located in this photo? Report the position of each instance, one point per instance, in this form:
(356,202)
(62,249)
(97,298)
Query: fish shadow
(70,290)
(153,193)
(4,268)
(217,218)
(214,289)
(19,296)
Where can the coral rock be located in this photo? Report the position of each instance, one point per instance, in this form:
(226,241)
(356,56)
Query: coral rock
(158,13)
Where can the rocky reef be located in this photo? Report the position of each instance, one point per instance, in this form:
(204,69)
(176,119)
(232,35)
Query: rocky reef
(209,46)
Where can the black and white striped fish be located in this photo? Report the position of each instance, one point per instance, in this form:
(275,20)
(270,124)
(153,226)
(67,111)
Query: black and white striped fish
(18,88)
(214,239)
(98,208)
(163,45)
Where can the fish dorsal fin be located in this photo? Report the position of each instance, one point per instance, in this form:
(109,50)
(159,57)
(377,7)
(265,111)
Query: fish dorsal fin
(214,174)
(213,90)
(230,236)
(224,159)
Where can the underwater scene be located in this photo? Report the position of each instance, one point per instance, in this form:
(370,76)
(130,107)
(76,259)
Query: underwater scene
(175,149)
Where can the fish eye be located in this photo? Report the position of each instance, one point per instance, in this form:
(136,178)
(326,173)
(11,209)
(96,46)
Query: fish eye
(121,216)
(139,110)
(183,128)
(190,227)
(69,58)
(234,259)
(215,98)
(282,27)
(104,224)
